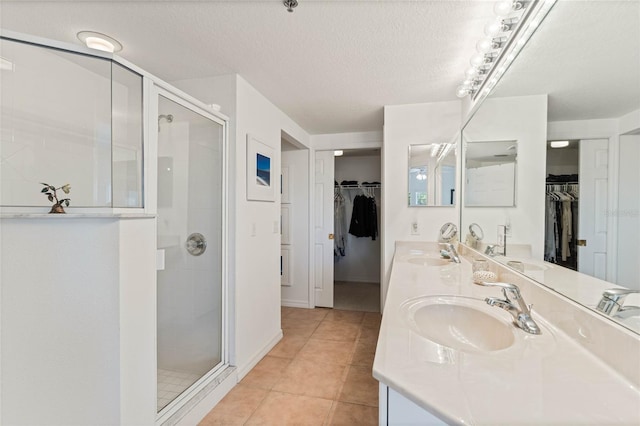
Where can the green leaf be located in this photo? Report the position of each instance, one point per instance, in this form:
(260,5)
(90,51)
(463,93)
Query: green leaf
(52,188)
(44,189)
(45,184)
(66,203)
(50,197)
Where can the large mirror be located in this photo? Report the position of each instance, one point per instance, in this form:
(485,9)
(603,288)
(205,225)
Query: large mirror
(572,101)
(432,175)
(490,173)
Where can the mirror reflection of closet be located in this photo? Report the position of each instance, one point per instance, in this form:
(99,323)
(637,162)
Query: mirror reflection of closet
(562,203)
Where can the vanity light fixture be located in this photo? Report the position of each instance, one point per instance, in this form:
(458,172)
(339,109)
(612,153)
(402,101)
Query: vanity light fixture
(338,153)
(505,7)
(99,41)
(559,144)
(505,35)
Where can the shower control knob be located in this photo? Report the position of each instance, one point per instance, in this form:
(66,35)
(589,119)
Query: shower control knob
(196,244)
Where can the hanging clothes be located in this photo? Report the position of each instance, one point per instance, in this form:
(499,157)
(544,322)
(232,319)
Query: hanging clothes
(567,229)
(364,217)
(339,225)
(561,223)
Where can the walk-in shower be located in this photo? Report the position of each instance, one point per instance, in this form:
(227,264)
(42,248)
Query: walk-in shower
(190,236)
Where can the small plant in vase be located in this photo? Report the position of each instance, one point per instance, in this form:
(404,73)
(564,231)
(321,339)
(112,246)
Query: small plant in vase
(51,192)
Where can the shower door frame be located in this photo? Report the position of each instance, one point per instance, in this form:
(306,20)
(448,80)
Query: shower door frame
(157,89)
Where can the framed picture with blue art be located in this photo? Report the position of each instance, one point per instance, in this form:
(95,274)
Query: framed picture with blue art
(261,181)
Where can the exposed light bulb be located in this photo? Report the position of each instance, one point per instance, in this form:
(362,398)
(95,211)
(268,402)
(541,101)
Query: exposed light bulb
(477,60)
(559,144)
(471,72)
(494,28)
(505,7)
(338,153)
(462,91)
(485,45)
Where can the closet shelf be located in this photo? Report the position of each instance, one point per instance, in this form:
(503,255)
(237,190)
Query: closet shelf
(373,186)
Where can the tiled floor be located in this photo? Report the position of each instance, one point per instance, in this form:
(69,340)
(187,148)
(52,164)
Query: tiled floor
(171,384)
(356,296)
(319,374)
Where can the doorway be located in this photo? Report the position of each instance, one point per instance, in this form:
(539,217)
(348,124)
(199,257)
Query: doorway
(347,235)
(357,196)
(576,202)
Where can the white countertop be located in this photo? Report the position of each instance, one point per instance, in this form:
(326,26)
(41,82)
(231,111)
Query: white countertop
(582,288)
(545,379)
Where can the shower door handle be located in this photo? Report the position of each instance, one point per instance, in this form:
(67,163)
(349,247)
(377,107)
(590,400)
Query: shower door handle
(196,244)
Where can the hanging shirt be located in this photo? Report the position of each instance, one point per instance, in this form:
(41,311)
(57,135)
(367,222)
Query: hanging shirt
(364,218)
(339,226)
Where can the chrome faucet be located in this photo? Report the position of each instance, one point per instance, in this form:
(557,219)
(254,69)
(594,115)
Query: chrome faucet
(612,303)
(490,250)
(521,312)
(451,252)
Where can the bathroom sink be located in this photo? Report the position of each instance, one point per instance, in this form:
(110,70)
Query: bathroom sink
(461,323)
(631,322)
(428,261)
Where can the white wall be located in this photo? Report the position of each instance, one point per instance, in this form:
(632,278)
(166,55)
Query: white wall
(298,163)
(523,119)
(628,212)
(78,321)
(405,125)
(355,140)
(137,253)
(362,260)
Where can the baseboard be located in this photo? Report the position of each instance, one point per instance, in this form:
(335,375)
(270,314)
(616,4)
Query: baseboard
(295,303)
(244,370)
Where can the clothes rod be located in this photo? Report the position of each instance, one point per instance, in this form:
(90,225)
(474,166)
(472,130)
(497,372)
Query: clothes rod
(358,186)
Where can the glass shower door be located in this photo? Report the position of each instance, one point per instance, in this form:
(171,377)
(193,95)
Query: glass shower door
(190,223)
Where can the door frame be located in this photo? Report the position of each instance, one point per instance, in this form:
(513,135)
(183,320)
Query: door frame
(381,212)
(155,90)
(598,129)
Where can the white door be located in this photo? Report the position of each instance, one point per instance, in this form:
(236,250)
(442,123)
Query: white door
(593,202)
(323,229)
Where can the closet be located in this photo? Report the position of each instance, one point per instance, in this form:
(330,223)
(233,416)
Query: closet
(357,203)
(562,206)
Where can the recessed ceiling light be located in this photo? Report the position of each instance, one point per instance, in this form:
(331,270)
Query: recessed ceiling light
(338,153)
(559,144)
(99,41)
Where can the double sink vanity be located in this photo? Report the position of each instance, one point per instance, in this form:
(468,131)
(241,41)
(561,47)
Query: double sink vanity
(567,223)
(445,356)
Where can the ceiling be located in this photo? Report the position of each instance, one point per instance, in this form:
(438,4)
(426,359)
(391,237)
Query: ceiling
(586,56)
(331,65)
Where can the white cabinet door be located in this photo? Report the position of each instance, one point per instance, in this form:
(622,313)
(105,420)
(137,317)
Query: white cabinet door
(400,411)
